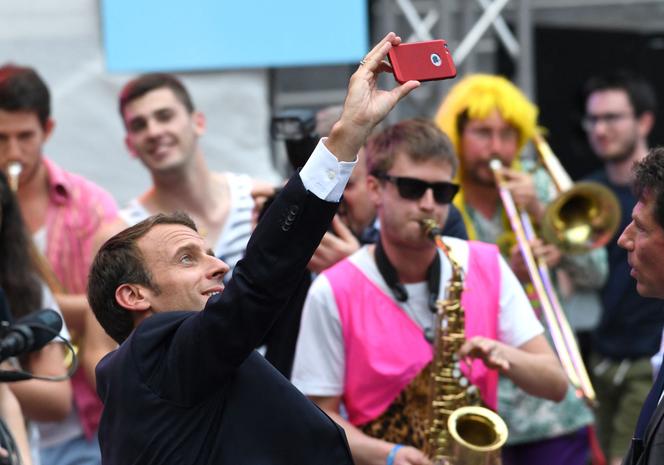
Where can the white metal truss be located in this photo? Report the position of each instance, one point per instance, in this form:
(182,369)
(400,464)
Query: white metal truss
(464,24)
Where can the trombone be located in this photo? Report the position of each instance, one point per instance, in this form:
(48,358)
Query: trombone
(583,216)
(580,218)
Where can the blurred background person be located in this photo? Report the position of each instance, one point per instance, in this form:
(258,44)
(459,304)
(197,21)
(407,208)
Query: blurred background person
(12,416)
(64,213)
(619,114)
(43,403)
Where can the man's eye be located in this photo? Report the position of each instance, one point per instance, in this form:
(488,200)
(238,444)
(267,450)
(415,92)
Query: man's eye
(137,126)
(164,116)
(186,259)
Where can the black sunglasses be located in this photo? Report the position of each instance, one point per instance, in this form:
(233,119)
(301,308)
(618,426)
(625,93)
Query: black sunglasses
(414,189)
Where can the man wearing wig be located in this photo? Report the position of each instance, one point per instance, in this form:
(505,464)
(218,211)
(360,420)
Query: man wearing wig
(487,117)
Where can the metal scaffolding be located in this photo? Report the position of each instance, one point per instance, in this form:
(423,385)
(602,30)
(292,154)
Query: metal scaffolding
(475,28)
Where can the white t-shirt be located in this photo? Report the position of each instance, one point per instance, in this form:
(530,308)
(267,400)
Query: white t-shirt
(319,365)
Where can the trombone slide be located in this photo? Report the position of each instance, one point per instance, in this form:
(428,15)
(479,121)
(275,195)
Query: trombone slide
(561,334)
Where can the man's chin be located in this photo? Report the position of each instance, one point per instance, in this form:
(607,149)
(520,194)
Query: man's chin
(649,291)
(616,156)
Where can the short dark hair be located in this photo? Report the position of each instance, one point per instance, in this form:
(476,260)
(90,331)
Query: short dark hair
(145,83)
(640,92)
(120,261)
(649,180)
(420,139)
(22,89)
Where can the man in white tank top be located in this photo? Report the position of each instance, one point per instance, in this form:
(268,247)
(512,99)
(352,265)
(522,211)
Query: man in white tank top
(163,130)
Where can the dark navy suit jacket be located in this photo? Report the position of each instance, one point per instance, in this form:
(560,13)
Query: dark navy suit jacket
(187,388)
(650,451)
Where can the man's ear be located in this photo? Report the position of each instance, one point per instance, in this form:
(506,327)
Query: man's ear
(48,128)
(132,297)
(200,123)
(646,122)
(375,190)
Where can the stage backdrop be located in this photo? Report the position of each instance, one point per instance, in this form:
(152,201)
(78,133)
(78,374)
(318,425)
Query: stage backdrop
(172,35)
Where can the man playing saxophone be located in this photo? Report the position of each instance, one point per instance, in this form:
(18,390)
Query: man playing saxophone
(367,322)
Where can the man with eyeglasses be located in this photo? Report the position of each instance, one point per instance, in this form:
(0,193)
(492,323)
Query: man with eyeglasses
(620,111)
(487,118)
(366,333)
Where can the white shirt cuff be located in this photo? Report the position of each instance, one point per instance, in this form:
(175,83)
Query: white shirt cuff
(324,175)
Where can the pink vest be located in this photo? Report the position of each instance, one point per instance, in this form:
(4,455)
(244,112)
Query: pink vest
(385,349)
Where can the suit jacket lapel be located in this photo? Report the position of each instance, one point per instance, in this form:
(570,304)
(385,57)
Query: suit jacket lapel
(656,419)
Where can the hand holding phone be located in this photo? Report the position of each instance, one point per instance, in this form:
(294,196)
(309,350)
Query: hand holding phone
(422,61)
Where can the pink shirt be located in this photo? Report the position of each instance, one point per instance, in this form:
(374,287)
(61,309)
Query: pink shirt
(77,208)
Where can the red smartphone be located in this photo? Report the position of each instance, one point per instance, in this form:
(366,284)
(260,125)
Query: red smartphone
(422,61)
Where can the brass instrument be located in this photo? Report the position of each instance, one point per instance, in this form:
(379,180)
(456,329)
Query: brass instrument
(13,172)
(540,276)
(583,216)
(460,431)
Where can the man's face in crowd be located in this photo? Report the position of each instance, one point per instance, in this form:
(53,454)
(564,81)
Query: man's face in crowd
(643,239)
(483,140)
(613,129)
(356,209)
(21,140)
(399,217)
(160,130)
(185,273)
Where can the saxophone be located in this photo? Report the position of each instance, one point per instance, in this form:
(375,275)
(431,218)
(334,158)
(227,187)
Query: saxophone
(460,431)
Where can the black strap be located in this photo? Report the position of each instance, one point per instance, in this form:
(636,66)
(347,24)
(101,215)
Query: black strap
(389,274)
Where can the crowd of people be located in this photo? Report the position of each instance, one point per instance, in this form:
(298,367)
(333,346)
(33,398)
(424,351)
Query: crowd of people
(306,334)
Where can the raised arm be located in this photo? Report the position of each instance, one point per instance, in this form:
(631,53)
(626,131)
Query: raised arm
(280,248)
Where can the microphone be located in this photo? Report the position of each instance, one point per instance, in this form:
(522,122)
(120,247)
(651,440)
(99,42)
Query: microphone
(30,333)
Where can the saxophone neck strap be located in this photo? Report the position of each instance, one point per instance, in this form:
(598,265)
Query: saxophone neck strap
(389,274)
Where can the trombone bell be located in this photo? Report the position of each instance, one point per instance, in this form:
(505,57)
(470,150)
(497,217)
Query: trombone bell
(581,218)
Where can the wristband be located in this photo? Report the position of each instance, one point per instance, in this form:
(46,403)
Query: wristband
(392,454)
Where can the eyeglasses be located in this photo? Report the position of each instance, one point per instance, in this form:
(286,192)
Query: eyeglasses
(414,189)
(610,119)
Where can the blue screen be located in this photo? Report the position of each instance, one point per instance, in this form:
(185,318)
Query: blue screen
(172,35)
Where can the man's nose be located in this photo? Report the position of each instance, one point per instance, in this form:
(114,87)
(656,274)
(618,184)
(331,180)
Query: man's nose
(497,143)
(13,149)
(427,201)
(626,240)
(153,128)
(598,127)
(218,268)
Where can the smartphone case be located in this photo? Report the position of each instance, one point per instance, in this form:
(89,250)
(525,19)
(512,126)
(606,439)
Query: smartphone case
(422,61)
